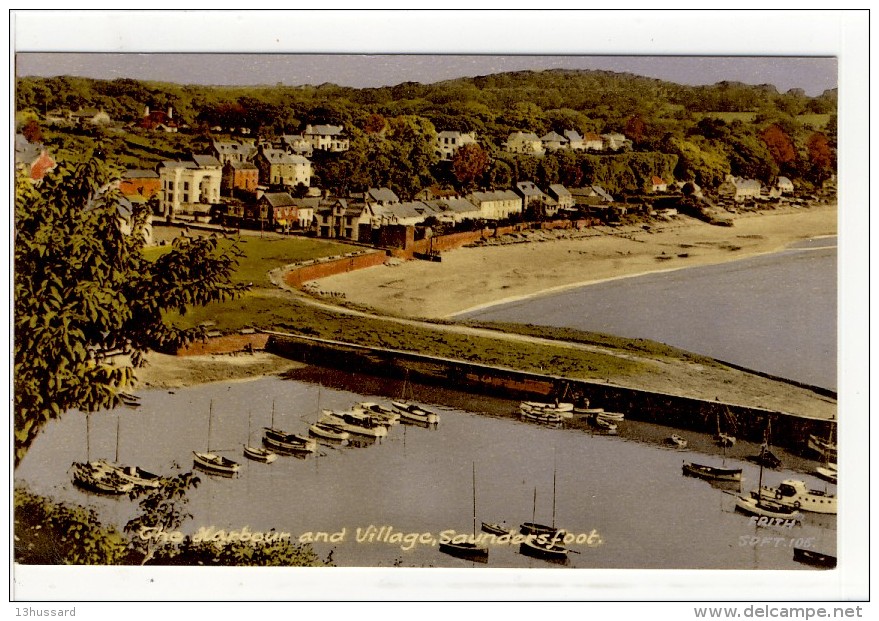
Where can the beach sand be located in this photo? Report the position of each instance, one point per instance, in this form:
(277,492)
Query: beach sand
(164,371)
(470,278)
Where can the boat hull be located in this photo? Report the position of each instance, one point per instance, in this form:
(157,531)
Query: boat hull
(96,478)
(547,552)
(711,473)
(215,464)
(467,551)
(410,411)
(257,453)
(795,494)
(817,559)
(751,506)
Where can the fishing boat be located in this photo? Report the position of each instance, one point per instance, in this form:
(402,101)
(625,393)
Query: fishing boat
(827,472)
(257,453)
(382,413)
(493,528)
(328,431)
(563,410)
(604,424)
(355,423)
(794,493)
(211,462)
(467,549)
(94,477)
(676,440)
(811,557)
(711,473)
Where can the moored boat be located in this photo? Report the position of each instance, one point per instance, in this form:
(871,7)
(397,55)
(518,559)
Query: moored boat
(604,424)
(382,413)
(550,418)
(794,493)
(215,464)
(95,477)
(676,440)
(563,410)
(827,472)
(494,528)
(464,546)
(328,431)
(766,508)
(724,440)
(825,448)
(288,442)
(355,423)
(133,474)
(767,459)
(259,453)
(546,550)
(712,473)
(414,412)
(812,557)
(614,417)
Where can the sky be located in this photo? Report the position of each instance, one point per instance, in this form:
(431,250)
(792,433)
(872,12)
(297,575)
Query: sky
(789,49)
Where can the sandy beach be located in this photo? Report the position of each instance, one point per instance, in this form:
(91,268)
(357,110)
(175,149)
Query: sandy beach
(470,278)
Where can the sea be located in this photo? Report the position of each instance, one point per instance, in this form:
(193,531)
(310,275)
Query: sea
(774,313)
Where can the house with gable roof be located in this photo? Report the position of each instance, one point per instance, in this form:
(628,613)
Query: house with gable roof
(497,204)
(327,137)
(525,143)
(593,142)
(657,184)
(137,182)
(241,176)
(190,187)
(297,144)
(339,217)
(562,196)
(380,196)
(575,140)
(32,158)
(454,209)
(554,141)
(233,151)
(157,120)
(739,189)
(277,167)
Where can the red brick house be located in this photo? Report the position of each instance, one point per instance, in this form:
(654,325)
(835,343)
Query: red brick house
(158,120)
(242,176)
(138,182)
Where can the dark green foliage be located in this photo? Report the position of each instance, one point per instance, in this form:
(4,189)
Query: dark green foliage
(84,293)
(49,533)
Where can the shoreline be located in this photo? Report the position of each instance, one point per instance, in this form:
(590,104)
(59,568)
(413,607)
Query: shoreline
(474,278)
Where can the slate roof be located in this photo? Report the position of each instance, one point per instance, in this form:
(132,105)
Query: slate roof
(204,161)
(277,156)
(527,188)
(382,195)
(324,130)
(279,199)
(496,195)
(553,137)
(243,165)
(559,190)
(139,173)
(452,203)
(573,135)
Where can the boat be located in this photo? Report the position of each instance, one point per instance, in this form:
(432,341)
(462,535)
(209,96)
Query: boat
(711,473)
(493,528)
(826,449)
(611,416)
(563,410)
(537,529)
(288,442)
(257,453)
(545,549)
(355,423)
(549,418)
(414,412)
(761,506)
(604,424)
(794,493)
(721,438)
(134,474)
(676,440)
(811,557)
(467,549)
(382,413)
(328,431)
(827,472)
(95,477)
(766,508)
(766,458)
(211,462)
(411,411)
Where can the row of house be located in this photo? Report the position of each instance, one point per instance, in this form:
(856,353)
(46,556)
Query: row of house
(528,143)
(740,190)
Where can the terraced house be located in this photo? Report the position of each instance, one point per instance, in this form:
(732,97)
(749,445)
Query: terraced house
(277,167)
(190,187)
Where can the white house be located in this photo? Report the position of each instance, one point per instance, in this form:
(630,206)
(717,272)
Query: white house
(785,185)
(561,195)
(553,142)
(614,141)
(575,140)
(496,205)
(454,209)
(593,142)
(739,189)
(327,137)
(448,143)
(190,187)
(657,184)
(278,167)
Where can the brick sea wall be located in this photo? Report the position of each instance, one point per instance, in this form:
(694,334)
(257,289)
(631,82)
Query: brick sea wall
(227,344)
(298,276)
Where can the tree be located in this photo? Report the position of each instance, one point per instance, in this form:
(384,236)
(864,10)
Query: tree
(85,296)
(780,146)
(821,159)
(468,164)
(31,131)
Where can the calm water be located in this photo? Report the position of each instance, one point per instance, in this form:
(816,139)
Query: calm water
(628,488)
(775,313)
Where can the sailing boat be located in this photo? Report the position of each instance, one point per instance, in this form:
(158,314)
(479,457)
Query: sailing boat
(413,412)
(287,442)
(97,476)
(134,474)
(827,450)
(759,505)
(541,539)
(467,548)
(723,439)
(257,453)
(211,462)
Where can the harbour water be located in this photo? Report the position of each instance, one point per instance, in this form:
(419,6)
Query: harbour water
(627,491)
(774,313)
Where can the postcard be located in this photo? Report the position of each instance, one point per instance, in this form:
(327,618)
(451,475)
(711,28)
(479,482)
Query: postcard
(437,319)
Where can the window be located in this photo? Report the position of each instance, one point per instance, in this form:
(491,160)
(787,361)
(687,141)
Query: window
(185,185)
(186,197)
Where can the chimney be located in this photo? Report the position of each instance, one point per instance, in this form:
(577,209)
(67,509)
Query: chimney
(146,111)
(170,112)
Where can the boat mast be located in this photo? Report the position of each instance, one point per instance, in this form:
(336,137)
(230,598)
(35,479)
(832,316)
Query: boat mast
(117,441)
(553,492)
(210,420)
(534,507)
(474,499)
(762,461)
